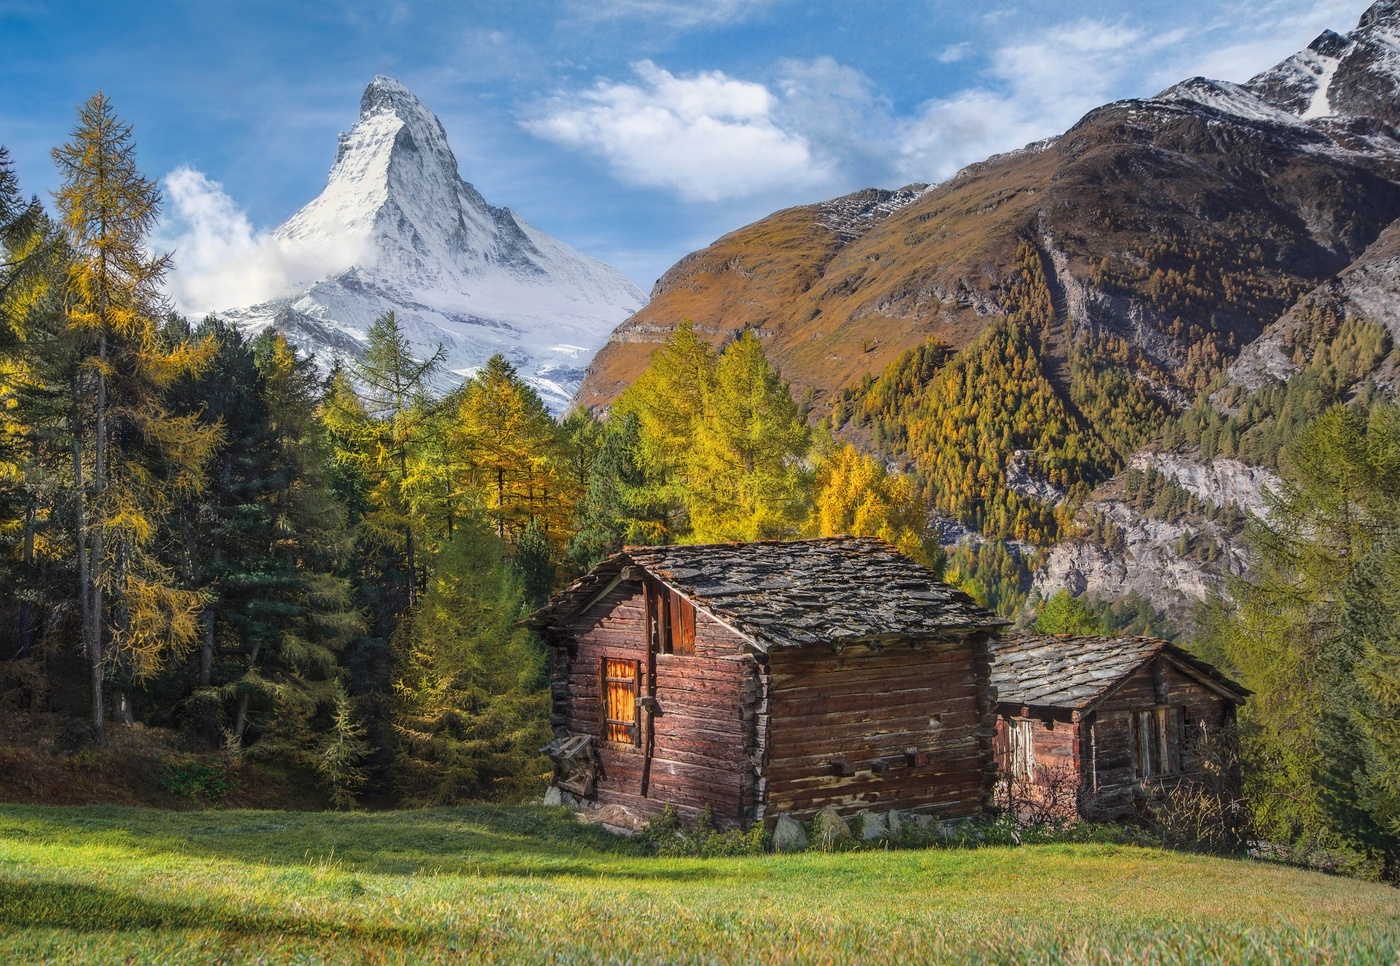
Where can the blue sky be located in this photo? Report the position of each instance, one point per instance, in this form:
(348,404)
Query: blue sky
(635,130)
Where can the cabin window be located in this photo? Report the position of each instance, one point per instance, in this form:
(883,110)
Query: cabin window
(1157,741)
(1023,750)
(670,621)
(620,689)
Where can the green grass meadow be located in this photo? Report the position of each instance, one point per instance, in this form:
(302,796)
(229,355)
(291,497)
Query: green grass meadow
(528,884)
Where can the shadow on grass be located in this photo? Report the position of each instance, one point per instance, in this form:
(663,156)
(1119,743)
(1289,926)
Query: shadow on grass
(520,841)
(87,908)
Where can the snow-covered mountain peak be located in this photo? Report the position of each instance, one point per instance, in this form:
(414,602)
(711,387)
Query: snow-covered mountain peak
(1357,75)
(1382,13)
(397,228)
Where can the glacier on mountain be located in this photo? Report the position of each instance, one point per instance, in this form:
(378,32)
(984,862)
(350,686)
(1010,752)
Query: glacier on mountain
(396,228)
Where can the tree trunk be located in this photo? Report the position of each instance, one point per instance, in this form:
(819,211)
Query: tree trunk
(240,718)
(206,650)
(26,606)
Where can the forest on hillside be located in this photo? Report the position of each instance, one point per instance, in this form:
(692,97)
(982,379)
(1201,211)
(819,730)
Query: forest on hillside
(202,531)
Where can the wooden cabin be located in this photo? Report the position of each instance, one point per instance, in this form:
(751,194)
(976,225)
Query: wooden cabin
(1100,726)
(772,677)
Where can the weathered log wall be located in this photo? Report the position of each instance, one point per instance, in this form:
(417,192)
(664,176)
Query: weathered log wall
(698,735)
(1055,786)
(1113,788)
(910,727)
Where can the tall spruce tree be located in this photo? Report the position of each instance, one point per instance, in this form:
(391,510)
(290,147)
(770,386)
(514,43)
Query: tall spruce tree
(263,538)
(382,416)
(615,510)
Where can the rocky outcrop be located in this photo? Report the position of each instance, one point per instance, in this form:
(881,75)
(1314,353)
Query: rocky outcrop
(1154,562)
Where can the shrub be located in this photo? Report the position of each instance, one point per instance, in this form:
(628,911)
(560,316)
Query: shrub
(198,780)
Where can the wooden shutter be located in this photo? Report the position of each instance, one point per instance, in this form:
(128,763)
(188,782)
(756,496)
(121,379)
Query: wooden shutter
(682,625)
(620,687)
(1023,750)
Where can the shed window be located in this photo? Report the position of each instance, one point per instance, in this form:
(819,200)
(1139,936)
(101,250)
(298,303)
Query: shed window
(1023,750)
(620,680)
(1157,741)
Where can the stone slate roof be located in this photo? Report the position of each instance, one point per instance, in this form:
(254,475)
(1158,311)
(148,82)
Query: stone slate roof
(833,591)
(1076,672)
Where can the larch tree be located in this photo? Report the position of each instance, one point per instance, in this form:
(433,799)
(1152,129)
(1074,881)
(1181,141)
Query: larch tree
(1287,632)
(129,454)
(470,706)
(744,475)
(853,495)
(32,257)
(511,448)
(667,400)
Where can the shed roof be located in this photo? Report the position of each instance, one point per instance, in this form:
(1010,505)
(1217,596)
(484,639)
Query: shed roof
(775,593)
(1071,672)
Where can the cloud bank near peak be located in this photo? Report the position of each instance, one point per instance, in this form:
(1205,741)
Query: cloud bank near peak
(220,261)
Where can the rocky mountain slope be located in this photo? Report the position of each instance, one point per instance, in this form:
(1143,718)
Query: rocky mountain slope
(1264,191)
(1167,234)
(405,233)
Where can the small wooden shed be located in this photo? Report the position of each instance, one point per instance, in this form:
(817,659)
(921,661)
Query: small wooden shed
(761,678)
(1101,725)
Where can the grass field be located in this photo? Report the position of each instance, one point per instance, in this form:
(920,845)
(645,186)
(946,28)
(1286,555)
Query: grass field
(114,885)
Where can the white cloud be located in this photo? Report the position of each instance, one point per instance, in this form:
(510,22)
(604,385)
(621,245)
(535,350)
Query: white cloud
(1271,32)
(221,262)
(954,53)
(707,136)
(1035,87)
(821,126)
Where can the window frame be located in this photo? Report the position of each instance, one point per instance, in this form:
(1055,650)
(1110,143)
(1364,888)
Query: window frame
(1156,739)
(1021,736)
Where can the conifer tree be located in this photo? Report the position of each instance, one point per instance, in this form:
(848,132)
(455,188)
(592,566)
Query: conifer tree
(470,707)
(129,455)
(381,414)
(615,511)
(854,495)
(1287,633)
(32,257)
(667,400)
(1063,613)
(743,472)
(512,451)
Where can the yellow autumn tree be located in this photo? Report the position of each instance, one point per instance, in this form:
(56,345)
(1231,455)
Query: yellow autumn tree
(667,400)
(854,495)
(512,453)
(743,472)
(129,454)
